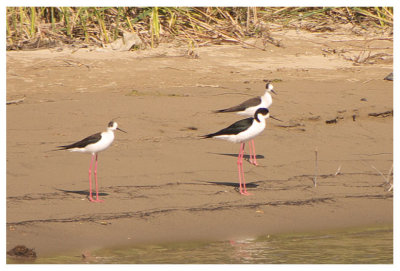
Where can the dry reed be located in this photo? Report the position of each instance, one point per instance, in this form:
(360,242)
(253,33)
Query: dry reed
(44,27)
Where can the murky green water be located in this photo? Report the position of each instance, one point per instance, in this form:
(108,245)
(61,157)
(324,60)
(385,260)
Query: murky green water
(355,246)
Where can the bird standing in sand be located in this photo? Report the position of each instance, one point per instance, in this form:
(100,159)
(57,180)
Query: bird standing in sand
(94,144)
(241,132)
(248,108)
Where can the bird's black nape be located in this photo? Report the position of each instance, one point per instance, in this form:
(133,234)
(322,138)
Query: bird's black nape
(111,123)
(270,87)
(263,111)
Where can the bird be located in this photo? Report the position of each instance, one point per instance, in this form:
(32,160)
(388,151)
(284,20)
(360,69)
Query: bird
(94,144)
(241,132)
(248,108)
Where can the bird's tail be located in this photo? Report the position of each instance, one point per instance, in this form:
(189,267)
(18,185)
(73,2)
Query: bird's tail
(61,148)
(222,111)
(206,136)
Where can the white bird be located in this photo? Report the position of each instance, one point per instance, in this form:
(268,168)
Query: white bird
(94,144)
(248,108)
(241,132)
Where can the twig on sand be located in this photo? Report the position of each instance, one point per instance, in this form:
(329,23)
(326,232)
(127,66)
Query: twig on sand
(338,170)
(207,86)
(382,114)
(16,101)
(387,179)
(383,176)
(316,167)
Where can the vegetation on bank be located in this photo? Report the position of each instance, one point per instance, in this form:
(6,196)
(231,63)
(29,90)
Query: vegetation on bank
(44,27)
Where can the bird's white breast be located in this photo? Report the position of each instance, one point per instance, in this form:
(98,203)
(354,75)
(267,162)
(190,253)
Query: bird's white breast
(106,139)
(246,135)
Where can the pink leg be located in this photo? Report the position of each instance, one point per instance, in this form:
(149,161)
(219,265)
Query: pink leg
(253,159)
(242,187)
(90,179)
(243,179)
(240,163)
(97,187)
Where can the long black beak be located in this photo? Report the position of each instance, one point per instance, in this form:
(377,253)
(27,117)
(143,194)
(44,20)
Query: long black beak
(121,130)
(273,91)
(272,117)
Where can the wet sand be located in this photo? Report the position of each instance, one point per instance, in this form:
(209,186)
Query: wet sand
(161,182)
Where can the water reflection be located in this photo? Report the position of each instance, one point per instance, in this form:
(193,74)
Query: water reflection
(366,246)
(356,246)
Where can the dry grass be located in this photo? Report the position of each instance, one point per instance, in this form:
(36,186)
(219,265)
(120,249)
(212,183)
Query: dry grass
(44,27)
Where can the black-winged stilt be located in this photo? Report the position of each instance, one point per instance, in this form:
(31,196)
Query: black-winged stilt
(94,144)
(248,108)
(241,132)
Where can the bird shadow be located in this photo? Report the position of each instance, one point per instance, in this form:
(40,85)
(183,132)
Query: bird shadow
(80,192)
(245,156)
(235,184)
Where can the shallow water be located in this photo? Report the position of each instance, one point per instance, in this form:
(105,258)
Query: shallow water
(353,246)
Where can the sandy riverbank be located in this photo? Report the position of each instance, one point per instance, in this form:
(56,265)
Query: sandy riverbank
(160,182)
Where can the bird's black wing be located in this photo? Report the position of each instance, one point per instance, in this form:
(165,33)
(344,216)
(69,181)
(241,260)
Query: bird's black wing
(241,107)
(234,129)
(83,143)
